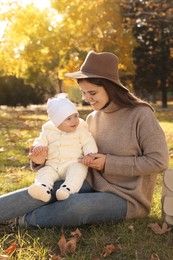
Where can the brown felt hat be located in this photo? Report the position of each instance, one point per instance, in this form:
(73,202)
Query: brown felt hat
(99,65)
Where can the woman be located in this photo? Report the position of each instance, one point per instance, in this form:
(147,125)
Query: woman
(122,176)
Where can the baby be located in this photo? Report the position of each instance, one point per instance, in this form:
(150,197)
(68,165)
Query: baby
(63,142)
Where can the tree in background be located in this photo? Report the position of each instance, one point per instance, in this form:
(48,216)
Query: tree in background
(26,44)
(152,26)
(94,25)
(14,92)
(41,45)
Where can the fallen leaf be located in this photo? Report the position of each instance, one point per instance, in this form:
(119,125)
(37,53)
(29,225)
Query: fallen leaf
(71,245)
(159,230)
(121,247)
(76,233)
(55,257)
(109,249)
(2,257)
(12,158)
(131,228)
(62,244)
(154,257)
(11,248)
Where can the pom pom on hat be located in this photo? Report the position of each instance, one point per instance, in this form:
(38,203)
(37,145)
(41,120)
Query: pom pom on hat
(59,109)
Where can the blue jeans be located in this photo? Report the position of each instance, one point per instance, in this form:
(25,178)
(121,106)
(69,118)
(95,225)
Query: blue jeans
(85,207)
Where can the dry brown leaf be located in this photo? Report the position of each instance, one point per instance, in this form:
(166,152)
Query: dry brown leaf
(154,257)
(77,233)
(4,257)
(109,249)
(62,244)
(131,228)
(11,248)
(56,257)
(12,158)
(71,245)
(165,228)
(121,247)
(159,230)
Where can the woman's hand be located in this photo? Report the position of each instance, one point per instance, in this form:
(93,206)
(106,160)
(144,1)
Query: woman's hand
(98,161)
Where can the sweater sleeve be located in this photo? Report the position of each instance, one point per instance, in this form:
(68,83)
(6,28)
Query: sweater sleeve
(153,156)
(87,141)
(42,138)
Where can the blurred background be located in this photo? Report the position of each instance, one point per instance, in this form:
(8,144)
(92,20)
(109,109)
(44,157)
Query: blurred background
(41,40)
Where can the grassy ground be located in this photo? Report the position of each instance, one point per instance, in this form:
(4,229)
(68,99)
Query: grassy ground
(133,239)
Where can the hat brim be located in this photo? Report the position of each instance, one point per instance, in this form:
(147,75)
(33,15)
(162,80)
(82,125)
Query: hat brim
(84,75)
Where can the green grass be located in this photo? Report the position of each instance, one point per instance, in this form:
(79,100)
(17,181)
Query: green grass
(18,128)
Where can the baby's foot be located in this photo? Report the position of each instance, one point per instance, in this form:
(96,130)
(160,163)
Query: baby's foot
(63,193)
(40,192)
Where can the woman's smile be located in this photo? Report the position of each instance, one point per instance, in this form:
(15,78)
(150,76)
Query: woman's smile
(95,95)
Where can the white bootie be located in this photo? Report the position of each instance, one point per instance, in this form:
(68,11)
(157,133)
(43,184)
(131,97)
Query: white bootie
(40,192)
(63,193)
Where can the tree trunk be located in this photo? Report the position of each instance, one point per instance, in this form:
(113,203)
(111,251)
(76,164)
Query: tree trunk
(164,93)
(60,85)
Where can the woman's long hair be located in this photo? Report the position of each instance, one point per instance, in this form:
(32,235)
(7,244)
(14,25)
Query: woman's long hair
(117,94)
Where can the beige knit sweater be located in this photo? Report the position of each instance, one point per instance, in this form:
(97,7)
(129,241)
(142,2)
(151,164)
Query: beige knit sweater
(136,152)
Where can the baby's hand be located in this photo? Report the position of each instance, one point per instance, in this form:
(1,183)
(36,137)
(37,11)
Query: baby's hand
(38,150)
(38,154)
(98,162)
(87,159)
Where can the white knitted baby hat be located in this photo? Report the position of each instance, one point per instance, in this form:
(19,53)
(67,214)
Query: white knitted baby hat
(59,109)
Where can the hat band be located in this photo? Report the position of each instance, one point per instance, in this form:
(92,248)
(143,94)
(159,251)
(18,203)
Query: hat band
(101,74)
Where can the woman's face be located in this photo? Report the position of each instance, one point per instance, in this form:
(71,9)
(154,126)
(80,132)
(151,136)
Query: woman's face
(94,94)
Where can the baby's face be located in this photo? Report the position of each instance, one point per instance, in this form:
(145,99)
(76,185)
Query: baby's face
(70,123)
